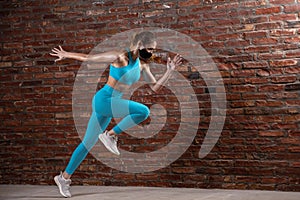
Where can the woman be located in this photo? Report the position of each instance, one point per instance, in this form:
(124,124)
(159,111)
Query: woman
(124,71)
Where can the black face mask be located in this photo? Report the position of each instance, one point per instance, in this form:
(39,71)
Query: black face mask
(145,54)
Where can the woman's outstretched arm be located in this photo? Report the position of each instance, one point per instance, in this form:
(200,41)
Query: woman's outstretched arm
(101,57)
(171,65)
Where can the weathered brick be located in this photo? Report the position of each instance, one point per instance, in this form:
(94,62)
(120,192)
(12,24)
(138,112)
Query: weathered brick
(271,56)
(270,88)
(5,64)
(189,3)
(264,41)
(283,63)
(253,43)
(259,65)
(284,79)
(285,32)
(284,17)
(280,2)
(268,26)
(292,8)
(271,10)
(255,34)
(257,49)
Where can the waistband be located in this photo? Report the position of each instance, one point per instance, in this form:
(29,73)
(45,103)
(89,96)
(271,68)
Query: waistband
(111,90)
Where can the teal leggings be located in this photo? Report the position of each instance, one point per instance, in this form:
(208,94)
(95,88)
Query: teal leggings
(107,103)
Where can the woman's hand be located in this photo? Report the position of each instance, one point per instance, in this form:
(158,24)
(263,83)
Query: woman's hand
(60,53)
(172,64)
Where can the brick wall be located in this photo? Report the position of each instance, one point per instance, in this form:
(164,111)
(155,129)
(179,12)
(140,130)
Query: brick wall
(253,42)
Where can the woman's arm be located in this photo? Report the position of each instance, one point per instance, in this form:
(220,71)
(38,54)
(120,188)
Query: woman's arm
(171,65)
(101,57)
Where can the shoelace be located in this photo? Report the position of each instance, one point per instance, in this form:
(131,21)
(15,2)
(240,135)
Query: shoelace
(115,138)
(68,185)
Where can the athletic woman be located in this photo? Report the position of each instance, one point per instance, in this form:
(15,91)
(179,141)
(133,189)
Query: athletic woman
(124,71)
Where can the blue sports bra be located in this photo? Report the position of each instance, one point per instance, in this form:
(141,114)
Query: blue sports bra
(128,74)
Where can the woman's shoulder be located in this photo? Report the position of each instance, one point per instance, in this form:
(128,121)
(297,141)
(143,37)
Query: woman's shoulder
(122,59)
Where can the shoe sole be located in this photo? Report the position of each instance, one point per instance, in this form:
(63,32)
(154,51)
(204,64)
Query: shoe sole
(107,146)
(59,187)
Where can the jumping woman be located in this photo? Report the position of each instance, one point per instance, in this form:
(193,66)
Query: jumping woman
(124,71)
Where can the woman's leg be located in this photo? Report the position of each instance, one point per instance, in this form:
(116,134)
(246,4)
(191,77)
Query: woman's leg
(97,124)
(132,113)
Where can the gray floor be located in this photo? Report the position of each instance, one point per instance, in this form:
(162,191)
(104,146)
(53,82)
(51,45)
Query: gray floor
(139,193)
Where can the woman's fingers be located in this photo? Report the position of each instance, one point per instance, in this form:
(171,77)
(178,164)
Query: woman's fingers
(177,59)
(58,59)
(178,63)
(55,51)
(53,54)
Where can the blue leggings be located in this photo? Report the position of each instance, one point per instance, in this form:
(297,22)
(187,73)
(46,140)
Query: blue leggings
(107,103)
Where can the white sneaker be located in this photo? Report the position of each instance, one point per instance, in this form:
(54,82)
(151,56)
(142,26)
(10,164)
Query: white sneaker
(110,142)
(63,185)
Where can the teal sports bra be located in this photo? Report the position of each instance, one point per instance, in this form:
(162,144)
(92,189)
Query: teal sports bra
(128,74)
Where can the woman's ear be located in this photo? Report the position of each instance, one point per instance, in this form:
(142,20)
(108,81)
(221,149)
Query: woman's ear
(139,45)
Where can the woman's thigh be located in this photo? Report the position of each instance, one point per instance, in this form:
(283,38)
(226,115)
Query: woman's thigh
(118,107)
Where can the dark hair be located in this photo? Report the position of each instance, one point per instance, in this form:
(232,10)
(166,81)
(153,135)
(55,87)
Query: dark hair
(146,37)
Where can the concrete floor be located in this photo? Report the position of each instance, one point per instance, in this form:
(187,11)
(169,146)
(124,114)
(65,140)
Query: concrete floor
(30,192)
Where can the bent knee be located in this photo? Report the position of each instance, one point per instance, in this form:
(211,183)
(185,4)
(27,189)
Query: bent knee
(144,112)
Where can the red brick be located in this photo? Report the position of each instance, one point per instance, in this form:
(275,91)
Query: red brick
(292,118)
(284,126)
(293,103)
(215,15)
(255,34)
(255,65)
(242,73)
(271,56)
(257,49)
(271,133)
(285,32)
(294,149)
(271,10)
(256,80)
(256,53)
(237,43)
(283,63)
(280,1)
(264,41)
(284,17)
(268,25)
(269,103)
(5,64)
(189,3)
(292,8)
(242,104)
(292,40)
(248,96)
(228,36)
(230,22)
(249,4)
(246,88)
(270,88)
(284,79)
(293,53)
